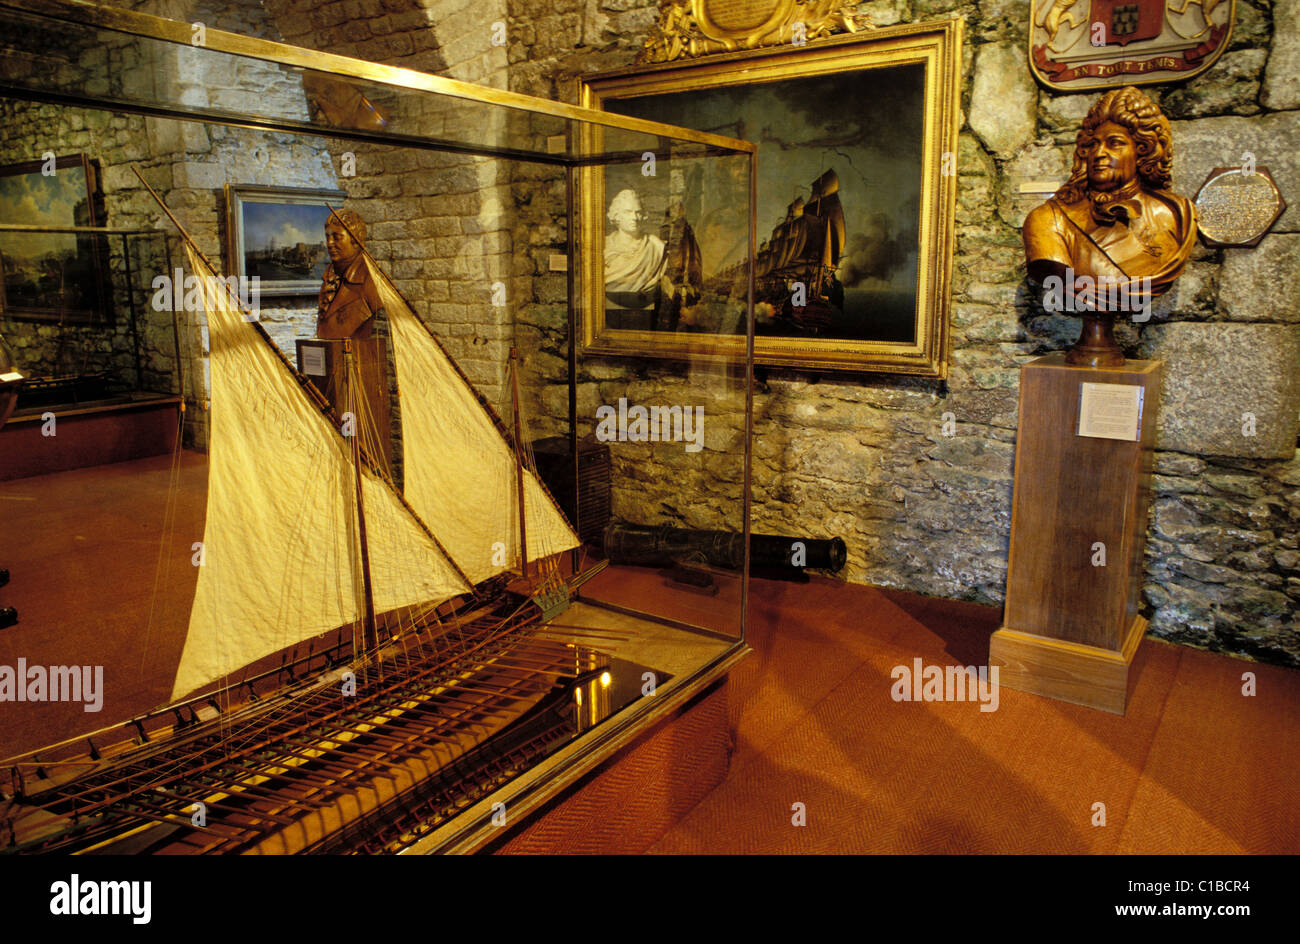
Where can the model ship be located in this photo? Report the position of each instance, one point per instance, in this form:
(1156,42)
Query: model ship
(417,609)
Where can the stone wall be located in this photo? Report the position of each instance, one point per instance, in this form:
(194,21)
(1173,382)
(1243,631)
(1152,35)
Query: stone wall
(189,164)
(437,221)
(53,349)
(866,458)
(29,132)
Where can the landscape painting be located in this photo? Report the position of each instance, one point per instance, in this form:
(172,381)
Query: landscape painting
(51,272)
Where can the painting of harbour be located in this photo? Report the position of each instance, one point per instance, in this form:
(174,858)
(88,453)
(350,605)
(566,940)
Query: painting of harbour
(277,235)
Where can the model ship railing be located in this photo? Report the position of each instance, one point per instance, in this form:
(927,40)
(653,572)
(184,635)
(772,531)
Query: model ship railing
(264,770)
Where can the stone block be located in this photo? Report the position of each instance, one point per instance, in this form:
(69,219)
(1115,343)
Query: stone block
(1043,162)
(1001,20)
(882,12)
(1193,297)
(199,176)
(1230,86)
(1260,284)
(1281,87)
(1004,100)
(1251,28)
(166,136)
(1220,376)
(1065,113)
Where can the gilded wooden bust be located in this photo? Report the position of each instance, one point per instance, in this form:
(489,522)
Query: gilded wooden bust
(1114,236)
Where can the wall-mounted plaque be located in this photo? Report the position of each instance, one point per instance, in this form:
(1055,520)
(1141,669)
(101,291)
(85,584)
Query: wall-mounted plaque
(1086,44)
(1234,208)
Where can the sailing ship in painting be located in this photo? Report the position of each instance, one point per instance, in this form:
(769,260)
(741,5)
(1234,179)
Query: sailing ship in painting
(417,610)
(795,280)
(804,249)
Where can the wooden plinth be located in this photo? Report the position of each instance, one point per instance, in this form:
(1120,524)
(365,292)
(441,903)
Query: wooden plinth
(372,364)
(1067,671)
(1071,626)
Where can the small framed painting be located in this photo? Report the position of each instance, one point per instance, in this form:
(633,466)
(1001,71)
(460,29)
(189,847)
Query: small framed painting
(55,268)
(277,235)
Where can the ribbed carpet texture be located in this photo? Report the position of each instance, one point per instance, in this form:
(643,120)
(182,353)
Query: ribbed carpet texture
(630,802)
(1195,766)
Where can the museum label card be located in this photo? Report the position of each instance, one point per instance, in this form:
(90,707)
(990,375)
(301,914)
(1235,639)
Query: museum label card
(313,361)
(1110,411)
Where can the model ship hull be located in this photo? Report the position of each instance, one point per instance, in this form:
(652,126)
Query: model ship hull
(288,769)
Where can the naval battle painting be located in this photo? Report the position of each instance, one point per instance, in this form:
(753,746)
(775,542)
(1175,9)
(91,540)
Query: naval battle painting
(855,196)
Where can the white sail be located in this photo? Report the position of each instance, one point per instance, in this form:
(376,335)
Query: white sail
(459,471)
(280,548)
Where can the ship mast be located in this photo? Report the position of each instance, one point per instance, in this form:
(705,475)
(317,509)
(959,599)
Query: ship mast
(370,633)
(369,624)
(519,460)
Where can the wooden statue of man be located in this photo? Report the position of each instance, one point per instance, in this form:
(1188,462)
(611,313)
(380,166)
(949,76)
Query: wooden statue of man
(350,307)
(1114,236)
(348,298)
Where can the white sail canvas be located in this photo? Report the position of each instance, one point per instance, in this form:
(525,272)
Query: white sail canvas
(280,549)
(460,473)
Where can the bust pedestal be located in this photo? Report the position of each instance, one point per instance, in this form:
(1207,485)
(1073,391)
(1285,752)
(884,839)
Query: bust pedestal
(1071,626)
(322,361)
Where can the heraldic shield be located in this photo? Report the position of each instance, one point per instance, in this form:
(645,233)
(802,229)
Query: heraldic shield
(1089,44)
(1128,21)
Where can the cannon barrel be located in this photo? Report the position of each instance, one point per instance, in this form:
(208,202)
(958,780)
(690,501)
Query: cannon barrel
(664,545)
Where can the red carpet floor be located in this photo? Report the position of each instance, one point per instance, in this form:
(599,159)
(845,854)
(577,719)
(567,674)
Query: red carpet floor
(1194,766)
(102,574)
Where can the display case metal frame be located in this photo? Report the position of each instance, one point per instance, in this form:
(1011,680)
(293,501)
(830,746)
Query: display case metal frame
(579,150)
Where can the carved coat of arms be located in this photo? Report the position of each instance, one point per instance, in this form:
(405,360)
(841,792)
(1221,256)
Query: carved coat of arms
(1086,44)
(692,28)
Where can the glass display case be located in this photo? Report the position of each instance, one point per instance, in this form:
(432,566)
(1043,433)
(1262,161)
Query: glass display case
(90,356)
(418,550)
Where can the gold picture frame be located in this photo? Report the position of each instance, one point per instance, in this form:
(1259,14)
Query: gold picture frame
(53,265)
(257,215)
(906,81)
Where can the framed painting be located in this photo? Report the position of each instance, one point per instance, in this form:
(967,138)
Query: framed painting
(856,196)
(277,235)
(54,267)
